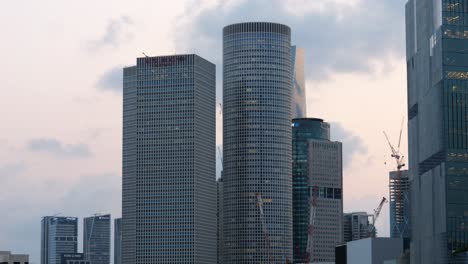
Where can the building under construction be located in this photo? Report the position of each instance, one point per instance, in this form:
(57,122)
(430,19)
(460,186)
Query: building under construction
(399,204)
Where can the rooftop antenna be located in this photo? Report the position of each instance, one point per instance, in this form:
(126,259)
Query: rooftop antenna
(145,55)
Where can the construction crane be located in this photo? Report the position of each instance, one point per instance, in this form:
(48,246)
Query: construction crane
(312,217)
(396,152)
(264,228)
(376,216)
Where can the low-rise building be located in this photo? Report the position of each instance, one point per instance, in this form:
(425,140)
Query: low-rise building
(6,257)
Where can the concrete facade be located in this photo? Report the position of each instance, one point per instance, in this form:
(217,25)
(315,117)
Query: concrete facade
(169,161)
(374,250)
(326,177)
(6,257)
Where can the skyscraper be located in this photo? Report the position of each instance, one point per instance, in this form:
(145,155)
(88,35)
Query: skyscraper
(399,204)
(96,239)
(169,161)
(437,70)
(357,226)
(257,143)
(317,179)
(59,235)
(298,106)
(219,184)
(118,241)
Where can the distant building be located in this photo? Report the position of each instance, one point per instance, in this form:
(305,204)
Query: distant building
(59,235)
(6,257)
(374,250)
(317,171)
(118,241)
(96,239)
(76,258)
(399,204)
(299,107)
(219,184)
(169,161)
(357,226)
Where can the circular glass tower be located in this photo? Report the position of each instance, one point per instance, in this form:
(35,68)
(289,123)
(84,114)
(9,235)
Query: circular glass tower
(257,143)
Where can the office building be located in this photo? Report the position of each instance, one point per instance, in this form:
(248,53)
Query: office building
(6,257)
(317,178)
(399,204)
(118,241)
(437,72)
(299,109)
(257,92)
(59,235)
(76,258)
(97,238)
(378,250)
(169,161)
(357,225)
(219,184)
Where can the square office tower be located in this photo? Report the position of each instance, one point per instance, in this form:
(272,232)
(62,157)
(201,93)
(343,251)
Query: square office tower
(96,239)
(59,235)
(169,161)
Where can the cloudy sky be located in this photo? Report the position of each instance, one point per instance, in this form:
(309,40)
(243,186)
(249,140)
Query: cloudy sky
(61,102)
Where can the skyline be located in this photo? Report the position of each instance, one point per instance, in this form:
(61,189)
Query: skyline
(87,147)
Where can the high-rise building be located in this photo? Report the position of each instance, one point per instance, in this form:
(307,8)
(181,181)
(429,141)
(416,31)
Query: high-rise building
(357,226)
(399,204)
(75,258)
(7,258)
(437,71)
(96,238)
(59,235)
(317,178)
(118,241)
(298,106)
(169,161)
(219,215)
(257,143)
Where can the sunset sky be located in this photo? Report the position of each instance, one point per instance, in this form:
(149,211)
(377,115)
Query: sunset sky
(61,103)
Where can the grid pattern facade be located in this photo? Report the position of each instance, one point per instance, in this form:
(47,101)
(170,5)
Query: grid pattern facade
(303,129)
(96,239)
(169,188)
(59,235)
(356,226)
(326,177)
(7,258)
(399,204)
(299,108)
(257,92)
(437,67)
(118,241)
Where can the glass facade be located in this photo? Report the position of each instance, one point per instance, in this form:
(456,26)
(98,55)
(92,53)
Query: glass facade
(118,241)
(59,235)
(316,164)
(169,161)
(257,93)
(299,108)
(437,67)
(96,239)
